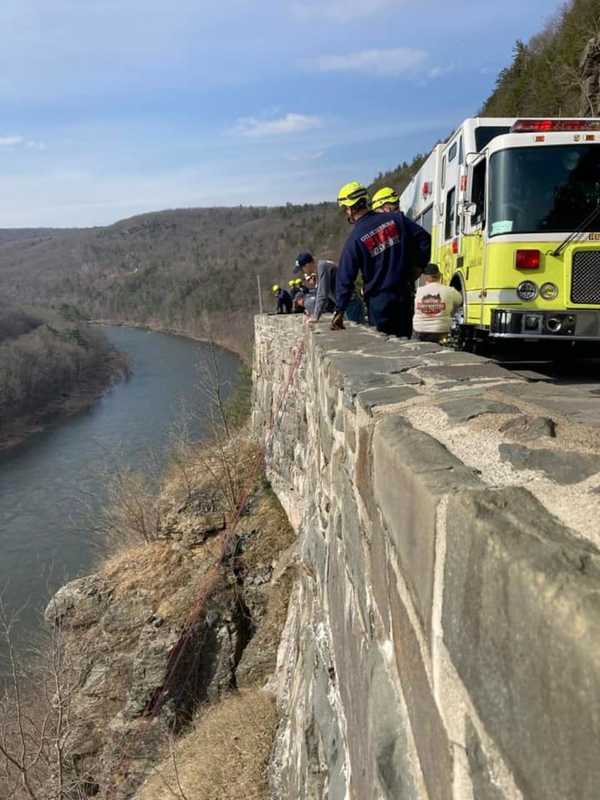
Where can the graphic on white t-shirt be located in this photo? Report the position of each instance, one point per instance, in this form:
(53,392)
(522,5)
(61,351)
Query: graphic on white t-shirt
(434,306)
(431,304)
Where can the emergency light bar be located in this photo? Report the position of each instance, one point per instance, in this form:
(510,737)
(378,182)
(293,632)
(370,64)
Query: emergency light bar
(549,125)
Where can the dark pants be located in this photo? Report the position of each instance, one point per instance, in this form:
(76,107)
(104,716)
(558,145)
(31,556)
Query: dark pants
(430,337)
(391,314)
(356,311)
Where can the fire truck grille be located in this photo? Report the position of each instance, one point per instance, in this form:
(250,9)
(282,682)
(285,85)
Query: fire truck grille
(585,279)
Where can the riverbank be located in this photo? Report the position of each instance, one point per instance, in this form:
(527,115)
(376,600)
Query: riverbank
(92,385)
(165,651)
(231,343)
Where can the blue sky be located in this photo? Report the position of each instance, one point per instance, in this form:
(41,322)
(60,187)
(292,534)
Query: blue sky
(114,107)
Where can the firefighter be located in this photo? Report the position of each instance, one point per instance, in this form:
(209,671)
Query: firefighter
(390,251)
(293,288)
(284,301)
(386,199)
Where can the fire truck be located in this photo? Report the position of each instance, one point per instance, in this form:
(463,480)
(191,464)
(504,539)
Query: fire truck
(513,207)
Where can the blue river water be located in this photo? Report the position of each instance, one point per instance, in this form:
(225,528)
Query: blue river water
(51,485)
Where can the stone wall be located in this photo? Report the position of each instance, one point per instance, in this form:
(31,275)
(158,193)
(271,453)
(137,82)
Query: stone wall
(443,637)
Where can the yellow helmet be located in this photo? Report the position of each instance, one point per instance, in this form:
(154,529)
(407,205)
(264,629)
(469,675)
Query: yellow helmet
(291,283)
(383,196)
(352,193)
(275,287)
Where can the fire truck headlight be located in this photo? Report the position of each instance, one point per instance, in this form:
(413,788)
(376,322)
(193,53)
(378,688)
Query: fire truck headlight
(549,291)
(527,290)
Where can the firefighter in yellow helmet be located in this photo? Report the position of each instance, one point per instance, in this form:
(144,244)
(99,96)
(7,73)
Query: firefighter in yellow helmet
(284,301)
(385,199)
(389,250)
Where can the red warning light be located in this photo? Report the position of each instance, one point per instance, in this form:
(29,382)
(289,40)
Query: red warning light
(528,259)
(553,125)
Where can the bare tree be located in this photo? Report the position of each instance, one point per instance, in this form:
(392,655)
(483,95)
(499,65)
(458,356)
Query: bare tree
(35,720)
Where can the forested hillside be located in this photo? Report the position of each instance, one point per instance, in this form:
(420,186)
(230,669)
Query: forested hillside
(45,357)
(556,73)
(195,270)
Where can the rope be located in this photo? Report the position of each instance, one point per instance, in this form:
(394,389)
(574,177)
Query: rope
(227,552)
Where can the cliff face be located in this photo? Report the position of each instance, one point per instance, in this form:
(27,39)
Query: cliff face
(120,633)
(443,633)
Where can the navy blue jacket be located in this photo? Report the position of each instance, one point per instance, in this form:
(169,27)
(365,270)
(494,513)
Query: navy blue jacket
(389,250)
(284,301)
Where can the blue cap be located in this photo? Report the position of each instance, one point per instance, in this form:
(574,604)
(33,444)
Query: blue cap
(302,260)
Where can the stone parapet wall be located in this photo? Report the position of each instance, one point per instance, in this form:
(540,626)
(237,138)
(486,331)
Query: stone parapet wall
(443,636)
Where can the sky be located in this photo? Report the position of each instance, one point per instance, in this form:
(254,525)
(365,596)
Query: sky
(109,108)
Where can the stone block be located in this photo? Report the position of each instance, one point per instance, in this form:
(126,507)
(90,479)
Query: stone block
(411,473)
(561,466)
(451,358)
(464,409)
(470,372)
(387,395)
(481,771)
(388,734)
(349,647)
(378,576)
(433,747)
(521,621)
(527,428)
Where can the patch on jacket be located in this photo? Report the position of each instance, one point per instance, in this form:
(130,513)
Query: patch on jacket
(382,238)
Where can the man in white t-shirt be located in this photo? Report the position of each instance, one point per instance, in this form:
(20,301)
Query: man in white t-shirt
(434,306)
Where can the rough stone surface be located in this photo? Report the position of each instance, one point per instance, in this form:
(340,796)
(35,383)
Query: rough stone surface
(79,603)
(464,409)
(371,398)
(526,428)
(470,372)
(481,770)
(562,466)
(412,473)
(442,642)
(521,621)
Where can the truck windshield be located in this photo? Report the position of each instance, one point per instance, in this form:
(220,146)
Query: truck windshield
(547,189)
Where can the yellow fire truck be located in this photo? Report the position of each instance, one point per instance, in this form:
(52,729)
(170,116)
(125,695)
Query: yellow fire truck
(513,206)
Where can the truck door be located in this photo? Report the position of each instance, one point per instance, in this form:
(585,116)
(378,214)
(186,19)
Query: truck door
(473,243)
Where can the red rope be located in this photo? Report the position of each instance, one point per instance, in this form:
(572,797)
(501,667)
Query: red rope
(212,578)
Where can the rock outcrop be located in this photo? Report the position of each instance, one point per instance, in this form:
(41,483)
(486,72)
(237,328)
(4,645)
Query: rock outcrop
(120,628)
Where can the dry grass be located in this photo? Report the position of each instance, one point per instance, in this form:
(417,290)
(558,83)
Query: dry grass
(172,575)
(274,532)
(225,755)
(229,467)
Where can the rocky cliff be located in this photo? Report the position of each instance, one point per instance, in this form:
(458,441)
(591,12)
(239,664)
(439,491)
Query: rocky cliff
(170,642)
(443,637)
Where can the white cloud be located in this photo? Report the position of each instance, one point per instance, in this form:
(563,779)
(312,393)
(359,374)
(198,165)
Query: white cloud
(21,141)
(33,145)
(255,128)
(342,10)
(11,141)
(391,62)
(439,72)
(315,156)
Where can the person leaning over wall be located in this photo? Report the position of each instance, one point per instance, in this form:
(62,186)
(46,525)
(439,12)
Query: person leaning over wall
(326,273)
(434,306)
(390,251)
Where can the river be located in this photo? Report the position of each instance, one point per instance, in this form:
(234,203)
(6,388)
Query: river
(48,484)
